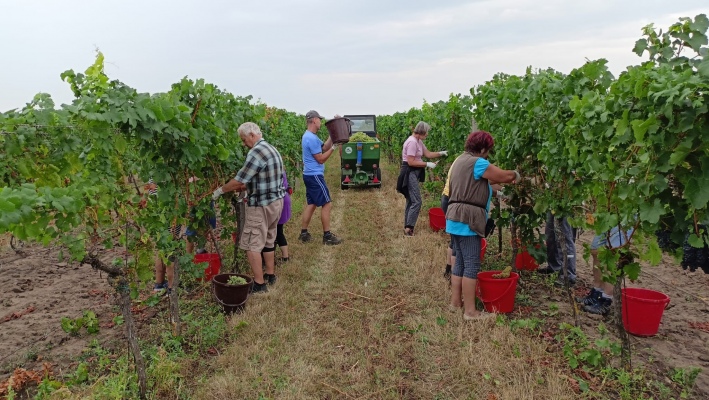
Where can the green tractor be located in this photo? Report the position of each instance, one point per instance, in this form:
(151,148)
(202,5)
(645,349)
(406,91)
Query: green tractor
(360,159)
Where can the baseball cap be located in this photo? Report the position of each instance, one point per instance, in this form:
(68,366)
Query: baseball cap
(313,114)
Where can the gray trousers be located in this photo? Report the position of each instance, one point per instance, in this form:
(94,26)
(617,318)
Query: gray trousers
(413,201)
(555,255)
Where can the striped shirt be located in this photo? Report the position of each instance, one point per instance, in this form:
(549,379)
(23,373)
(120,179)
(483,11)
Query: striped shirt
(262,174)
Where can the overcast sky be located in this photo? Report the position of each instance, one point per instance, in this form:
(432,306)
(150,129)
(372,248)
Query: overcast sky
(337,57)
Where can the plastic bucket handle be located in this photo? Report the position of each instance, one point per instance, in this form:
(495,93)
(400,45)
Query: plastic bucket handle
(512,283)
(223,304)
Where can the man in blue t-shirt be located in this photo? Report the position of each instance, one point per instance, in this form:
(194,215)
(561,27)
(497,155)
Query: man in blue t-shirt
(315,153)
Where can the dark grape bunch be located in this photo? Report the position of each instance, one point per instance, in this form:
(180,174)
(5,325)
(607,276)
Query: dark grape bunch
(693,257)
(664,240)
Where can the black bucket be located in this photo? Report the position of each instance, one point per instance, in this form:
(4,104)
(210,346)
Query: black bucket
(340,130)
(232,298)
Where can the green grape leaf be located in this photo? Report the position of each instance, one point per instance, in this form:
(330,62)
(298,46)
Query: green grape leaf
(703,67)
(695,241)
(651,212)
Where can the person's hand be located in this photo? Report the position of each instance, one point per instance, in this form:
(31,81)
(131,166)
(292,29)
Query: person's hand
(501,195)
(517,177)
(290,190)
(217,193)
(334,146)
(443,153)
(431,165)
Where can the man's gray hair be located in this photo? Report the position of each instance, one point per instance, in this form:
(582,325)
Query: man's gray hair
(422,128)
(248,128)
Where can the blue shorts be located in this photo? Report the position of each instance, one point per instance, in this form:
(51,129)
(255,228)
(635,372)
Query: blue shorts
(616,239)
(212,222)
(316,190)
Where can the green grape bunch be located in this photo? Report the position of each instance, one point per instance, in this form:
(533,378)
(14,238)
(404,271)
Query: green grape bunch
(361,137)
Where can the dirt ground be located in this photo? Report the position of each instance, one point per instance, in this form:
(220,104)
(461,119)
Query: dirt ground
(37,291)
(679,343)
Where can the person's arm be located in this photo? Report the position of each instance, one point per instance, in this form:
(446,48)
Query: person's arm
(434,154)
(323,156)
(238,183)
(498,175)
(327,145)
(411,160)
(233,185)
(321,151)
(497,192)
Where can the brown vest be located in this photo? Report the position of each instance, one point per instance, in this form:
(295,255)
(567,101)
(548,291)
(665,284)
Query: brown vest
(468,197)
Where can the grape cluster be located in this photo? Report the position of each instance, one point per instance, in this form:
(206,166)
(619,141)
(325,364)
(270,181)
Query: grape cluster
(664,240)
(361,137)
(693,257)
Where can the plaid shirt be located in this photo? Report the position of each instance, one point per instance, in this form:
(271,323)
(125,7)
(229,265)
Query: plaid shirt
(262,174)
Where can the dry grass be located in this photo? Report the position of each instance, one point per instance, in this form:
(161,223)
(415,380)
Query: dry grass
(369,320)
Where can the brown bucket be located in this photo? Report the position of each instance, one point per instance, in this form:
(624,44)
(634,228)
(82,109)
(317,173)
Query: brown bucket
(340,130)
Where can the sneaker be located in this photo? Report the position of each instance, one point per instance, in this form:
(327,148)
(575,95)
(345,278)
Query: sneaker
(270,279)
(201,251)
(160,287)
(305,237)
(591,298)
(259,288)
(331,239)
(601,307)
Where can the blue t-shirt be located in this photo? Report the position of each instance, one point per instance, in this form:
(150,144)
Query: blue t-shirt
(461,228)
(312,145)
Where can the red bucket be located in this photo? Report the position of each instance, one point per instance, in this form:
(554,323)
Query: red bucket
(436,219)
(498,295)
(212,269)
(642,310)
(525,261)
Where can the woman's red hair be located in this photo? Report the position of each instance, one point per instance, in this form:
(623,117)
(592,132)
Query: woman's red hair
(479,141)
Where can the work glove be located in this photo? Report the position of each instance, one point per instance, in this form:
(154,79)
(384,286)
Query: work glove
(217,193)
(443,153)
(517,177)
(431,165)
(501,195)
(334,146)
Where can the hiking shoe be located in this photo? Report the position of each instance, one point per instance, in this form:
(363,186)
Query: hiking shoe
(270,279)
(259,288)
(591,298)
(331,239)
(305,237)
(601,307)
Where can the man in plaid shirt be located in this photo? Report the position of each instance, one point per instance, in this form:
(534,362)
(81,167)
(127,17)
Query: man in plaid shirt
(262,177)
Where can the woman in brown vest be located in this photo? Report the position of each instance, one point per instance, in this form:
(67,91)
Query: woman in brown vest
(470,192)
